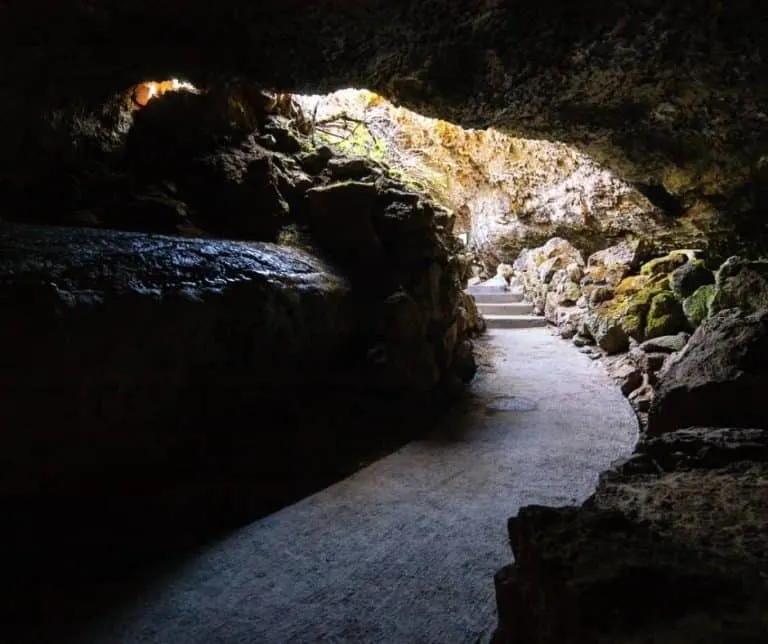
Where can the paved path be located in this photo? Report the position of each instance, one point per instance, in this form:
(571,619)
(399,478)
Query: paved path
(405,550)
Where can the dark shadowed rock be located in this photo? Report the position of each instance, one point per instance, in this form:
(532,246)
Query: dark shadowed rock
(719,379)
(705,447)
(690,276)
(115,331)
(741,283)
(341,216)
(670,548)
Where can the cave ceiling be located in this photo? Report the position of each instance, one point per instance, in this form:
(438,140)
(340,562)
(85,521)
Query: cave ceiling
(670,94)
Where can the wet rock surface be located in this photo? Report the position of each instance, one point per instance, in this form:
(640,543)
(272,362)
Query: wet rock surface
(192,384)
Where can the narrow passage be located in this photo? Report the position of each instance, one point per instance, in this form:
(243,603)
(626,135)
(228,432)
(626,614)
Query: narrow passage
(404,550)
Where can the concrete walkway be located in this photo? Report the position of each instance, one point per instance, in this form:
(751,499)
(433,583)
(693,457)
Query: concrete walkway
(405,550)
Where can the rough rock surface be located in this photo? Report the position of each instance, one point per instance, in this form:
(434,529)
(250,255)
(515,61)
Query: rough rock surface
(669,95)
(741,283)
(550,276)
(131,364)
(109,335)
(691,276)
(611,265)
(508,193)
(720,377)
(670,548)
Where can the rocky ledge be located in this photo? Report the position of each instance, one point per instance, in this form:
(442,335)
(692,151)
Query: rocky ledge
(670,548)
(156,388)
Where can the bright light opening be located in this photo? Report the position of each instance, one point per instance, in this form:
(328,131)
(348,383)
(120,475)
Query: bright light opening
(146,91)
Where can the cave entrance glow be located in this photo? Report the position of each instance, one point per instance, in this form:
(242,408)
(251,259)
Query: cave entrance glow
(147,90)
(506,193)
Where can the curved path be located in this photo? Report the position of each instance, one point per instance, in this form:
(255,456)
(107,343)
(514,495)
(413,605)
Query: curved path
(405,550)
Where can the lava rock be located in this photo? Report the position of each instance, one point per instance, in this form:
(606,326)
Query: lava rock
(666,343)
(342,220)
(665,316)
(743,284)
(719,379)
(696,306)
(611,265)
(690,276)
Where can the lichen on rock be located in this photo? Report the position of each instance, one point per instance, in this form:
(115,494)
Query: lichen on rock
(697,305)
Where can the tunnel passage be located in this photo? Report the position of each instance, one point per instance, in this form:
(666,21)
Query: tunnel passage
(664,94)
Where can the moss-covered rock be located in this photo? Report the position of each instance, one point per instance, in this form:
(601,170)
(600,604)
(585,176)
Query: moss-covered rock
(607,331)
(611,265)
(665,316)
(690,276)
(696,306)
(664,265)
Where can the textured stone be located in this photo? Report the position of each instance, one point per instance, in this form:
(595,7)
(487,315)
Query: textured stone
(613,264)
(696,306)
(673,541)
(687,278)
(646,130)
(665,316)
(663,265)
(666,343)
(720,378)
(741,283)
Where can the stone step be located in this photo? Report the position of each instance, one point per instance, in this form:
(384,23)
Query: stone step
(514,321)
(498,298)
(506,308)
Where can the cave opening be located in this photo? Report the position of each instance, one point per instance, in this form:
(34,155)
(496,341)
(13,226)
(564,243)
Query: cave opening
(211,308)
(349,304)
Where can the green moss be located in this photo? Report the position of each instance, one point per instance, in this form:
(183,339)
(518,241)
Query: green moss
(630,307)
(631,285)
(696,306)
(663,265)
(665,316)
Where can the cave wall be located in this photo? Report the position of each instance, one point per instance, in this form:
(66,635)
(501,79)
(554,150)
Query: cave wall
(669,94)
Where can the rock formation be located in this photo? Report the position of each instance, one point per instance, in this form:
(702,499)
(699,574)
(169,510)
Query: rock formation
(668,95)
(652,522)
(157,373)
(670,548)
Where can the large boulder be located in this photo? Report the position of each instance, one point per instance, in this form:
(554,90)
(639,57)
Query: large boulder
(638,306)
(670,548)
(664,265)
(696,306)
(114,341)
(128,357)
(611,265)
(720,378)
(608,332)
(665,316)
(685,280)
(741,283)
(341,216)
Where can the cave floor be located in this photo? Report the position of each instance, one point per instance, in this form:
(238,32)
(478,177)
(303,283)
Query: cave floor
(405,549)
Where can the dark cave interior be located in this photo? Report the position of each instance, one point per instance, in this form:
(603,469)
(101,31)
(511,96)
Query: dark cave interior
(209,314)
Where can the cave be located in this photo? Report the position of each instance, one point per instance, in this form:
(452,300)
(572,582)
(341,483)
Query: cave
(474,354)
